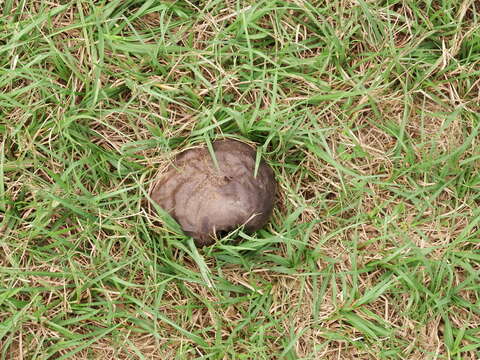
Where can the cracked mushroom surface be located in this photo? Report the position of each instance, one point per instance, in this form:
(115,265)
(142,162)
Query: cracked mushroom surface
(207,201)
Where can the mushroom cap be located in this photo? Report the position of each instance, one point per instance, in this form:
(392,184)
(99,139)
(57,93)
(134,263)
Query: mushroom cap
(208,201)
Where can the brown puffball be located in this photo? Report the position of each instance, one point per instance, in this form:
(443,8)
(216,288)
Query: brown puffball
(207,201)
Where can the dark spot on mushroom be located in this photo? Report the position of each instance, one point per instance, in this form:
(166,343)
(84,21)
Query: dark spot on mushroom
(209,202)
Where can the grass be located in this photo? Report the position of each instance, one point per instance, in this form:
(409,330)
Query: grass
(368,112)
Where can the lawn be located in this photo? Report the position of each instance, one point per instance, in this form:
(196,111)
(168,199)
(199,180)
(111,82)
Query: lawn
(368,111)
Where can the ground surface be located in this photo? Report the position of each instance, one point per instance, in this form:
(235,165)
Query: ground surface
(368,112)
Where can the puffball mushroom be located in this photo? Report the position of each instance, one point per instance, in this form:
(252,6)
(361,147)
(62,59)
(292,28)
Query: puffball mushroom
(209,201)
